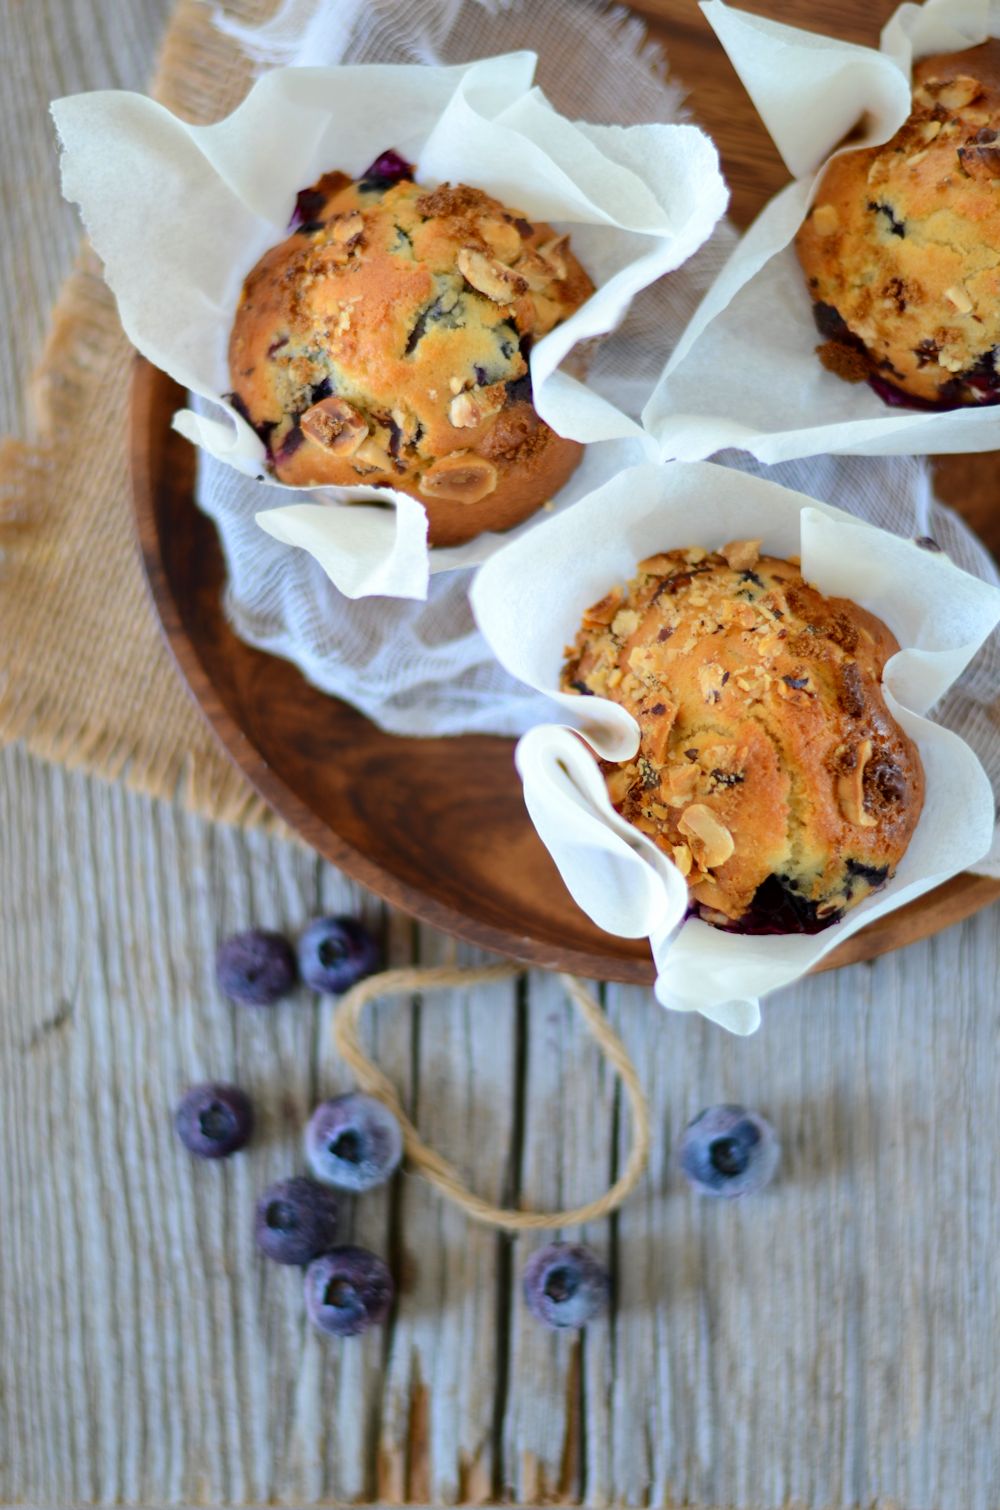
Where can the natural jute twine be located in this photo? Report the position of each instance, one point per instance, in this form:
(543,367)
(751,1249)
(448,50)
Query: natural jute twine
(442,1175)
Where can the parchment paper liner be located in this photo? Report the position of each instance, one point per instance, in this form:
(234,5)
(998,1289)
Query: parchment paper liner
(745,372)
(528,601)
(179,215)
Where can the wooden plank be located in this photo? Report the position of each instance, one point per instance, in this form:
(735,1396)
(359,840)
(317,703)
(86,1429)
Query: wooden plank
(557,1439)
(455,1052)
(833,1341)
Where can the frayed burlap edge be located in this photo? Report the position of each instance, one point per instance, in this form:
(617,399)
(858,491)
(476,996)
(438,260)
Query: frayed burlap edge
(85,679)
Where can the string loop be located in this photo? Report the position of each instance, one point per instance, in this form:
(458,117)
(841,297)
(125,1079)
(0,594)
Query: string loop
(425,1160)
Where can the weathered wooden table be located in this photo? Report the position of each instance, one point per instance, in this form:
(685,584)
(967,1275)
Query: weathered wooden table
(833,1343)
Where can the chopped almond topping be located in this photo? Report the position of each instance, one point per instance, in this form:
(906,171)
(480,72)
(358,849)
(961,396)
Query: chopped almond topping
(711,842)
(741,555)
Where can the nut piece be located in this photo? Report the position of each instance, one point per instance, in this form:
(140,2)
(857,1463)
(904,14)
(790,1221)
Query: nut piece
(503,237)
(678,784)
(604,610)
(741,555)
(335,425)
(711,842)
(980,157)
(711,679)
(536,272)
(958,296)
(371,454)
(554,253)
(461,476)
(851,789)
(959,92)
(825,219)
(682,859)
(469,409)
(618,782)
(657,566)
(493,278)
(346,227)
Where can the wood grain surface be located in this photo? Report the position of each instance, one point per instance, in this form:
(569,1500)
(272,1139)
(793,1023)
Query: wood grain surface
(832,1344)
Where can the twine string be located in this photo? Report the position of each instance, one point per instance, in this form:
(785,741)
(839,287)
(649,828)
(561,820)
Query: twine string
(425,1160)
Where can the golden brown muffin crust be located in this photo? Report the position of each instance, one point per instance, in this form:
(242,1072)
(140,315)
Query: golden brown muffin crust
(902,246)
(769,767)
(385,342)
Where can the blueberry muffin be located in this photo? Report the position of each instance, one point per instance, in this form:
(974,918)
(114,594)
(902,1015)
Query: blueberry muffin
(386,340)
(901,245)
(769,768)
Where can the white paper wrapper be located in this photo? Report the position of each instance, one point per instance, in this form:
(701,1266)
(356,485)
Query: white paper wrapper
(528,601)
(179,214)
(745,373)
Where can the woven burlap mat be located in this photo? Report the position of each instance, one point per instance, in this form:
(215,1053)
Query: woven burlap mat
(85,678)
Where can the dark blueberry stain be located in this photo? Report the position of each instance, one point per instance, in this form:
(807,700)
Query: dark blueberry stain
(525,227)
(320,391)
(896,227)
(656,710)
(308,203)
(263,430)
(519,390)
(291,443)
(582,688)
(277,345)
(796,681)
(875,875)
(776,908)
(728,778)
(831,323)
(310,227)
(664,633)
(691,754)
(751,576)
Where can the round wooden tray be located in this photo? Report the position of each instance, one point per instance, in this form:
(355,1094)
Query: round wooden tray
(438,826)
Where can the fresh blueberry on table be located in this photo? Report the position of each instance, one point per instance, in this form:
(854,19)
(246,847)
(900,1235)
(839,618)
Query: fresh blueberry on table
(335,953)
(256,968)
(348,1291)
(214,1120)
(565,1285)
(729,1151)
(353,1142)
(295,1221)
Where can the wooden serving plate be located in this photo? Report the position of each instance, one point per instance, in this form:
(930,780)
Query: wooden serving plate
(438,826)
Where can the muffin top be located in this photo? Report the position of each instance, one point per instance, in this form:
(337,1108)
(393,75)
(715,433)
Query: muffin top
(902,245)
(769,768)
(385,341)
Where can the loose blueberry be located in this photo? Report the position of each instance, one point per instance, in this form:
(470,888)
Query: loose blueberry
(256,968)
(565,1285)
(295,1221)
(353,1142)
(729,1151)
(335,953)
(214,1120)
(348,1291)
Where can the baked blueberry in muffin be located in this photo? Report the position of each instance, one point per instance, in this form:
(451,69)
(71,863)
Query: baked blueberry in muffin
(385,342)
(901,246)
(769,767)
